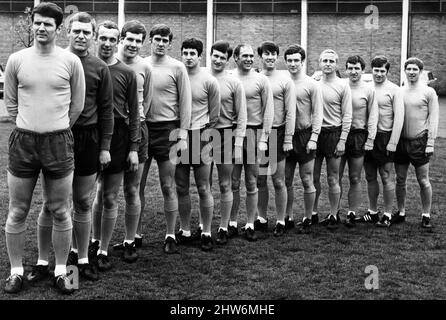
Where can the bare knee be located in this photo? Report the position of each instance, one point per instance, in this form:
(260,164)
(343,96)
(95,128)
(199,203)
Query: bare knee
(110,200)
(169,192)
(235,185)
(279,183)
(355,180)
(225,186)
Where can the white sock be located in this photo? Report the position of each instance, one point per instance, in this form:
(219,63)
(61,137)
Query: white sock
(94,240)
(200,226)
(427,215)
(351,212)
(224,229)
(18,270)
(186,233)
(233,223)
(388,215)
(128,241)
(60,269)
(82,261)
(170,235)
(402,213)
(104,252)
(138,236)
(249,226)
(282,222)
(373,212)
(262,220)
(42,262)
(314,213)
(206,234)
(74,250)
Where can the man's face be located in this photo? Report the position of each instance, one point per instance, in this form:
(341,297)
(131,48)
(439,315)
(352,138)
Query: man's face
(159,45)
(245,59)
(294,63)
(354,71)
(44,29)
(80,36)
(219,60)
(131,44)
(190,57)
(379,74)
(269,60)
(327,63)
(412,72)
(107,42)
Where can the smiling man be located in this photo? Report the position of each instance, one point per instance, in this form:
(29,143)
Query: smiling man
(124,148)
(132,37)
(284,123)
(416,146)
(44,93)
(336,123)
(168,121)
(362,133)
(92,134)
(260,110)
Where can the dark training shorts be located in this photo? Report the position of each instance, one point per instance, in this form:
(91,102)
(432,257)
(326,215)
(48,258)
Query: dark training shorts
(119,147)
(379,154)
(299,151)
(412,151)
(277,146)
(158,141)
(51,152)
(327,141)
(223,145)
(143,149)
(86,150)
(354,146)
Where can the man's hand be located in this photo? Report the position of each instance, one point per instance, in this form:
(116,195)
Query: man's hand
(390,149)
(287,146)
(340,148)
(368,146)
(311,146)
(238,154)
(104,159)
(263,146)
(429,151)
(132,160)
(181,145)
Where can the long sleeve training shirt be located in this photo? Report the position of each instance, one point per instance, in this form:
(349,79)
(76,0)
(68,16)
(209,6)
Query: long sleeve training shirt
(98,107)
(391,110)
(337,99)
(125,100)
(205,99)
(259,101)
(233,104)
(284,96)
(365,108)
(172,97)
(44,92)
(421,112)
(309,111)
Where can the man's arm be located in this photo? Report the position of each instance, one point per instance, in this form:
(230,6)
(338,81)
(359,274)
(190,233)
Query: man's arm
(77,85)
(242,113)
(11,87)
(185,101)
(134,117)
(104,100)
(347,111)
(214,102)
(148,89)
(290,110)
(373,115)
(317,111)
(398,119)
(267,100)
(433,118)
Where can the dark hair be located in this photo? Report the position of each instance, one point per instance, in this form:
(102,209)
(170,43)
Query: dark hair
(82,17)
(162,30)
(380,61)
(238,48)
(134,26)
(354,60)
(108,24)
(267,46)
(222,46)
(49,9)
(295,48)
(193,43)
(414,60)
